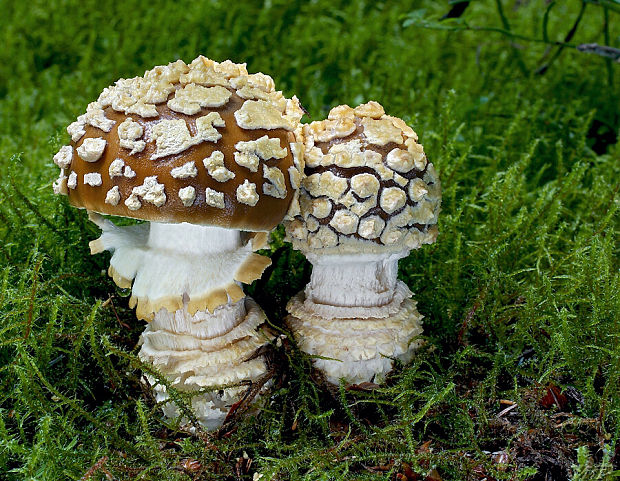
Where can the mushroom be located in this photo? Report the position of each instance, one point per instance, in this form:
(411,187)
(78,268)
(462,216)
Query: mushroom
(206,154)
(368,196)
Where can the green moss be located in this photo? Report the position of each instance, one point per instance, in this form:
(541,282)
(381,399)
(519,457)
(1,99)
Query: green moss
(520,292)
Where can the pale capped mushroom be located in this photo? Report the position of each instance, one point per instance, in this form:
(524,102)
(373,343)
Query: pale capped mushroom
(163,148)
(367,198)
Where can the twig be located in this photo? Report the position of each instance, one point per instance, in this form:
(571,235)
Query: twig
(470,315)
(111,303)
(506,30)
(610,67)
(546,21)
(94,468)
(571,33)
(602,50)
(243,405)
(456,11)
(474,28)
(507,410)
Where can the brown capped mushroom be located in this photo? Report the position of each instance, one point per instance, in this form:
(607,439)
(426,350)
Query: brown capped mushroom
(203,152)
(367,198)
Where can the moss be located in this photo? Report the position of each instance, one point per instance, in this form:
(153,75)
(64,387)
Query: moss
(520,293)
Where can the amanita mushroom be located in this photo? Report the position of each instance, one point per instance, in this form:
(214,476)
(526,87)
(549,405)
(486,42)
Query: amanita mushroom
(204,152)
(368,197)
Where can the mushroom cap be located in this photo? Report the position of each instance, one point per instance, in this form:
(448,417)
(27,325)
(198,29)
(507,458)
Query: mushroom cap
(367,185)
(204,143)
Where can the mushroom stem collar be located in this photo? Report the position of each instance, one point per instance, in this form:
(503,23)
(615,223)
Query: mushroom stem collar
(179,266)
(355,316)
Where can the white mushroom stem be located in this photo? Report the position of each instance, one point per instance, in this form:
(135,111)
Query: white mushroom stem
(355,316)
(203,332)
(362,280)
(193,239)
(209,352)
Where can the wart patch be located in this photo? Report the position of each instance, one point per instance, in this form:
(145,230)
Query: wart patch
(371,227)
(92,149)
(187,195)
(60,184)
(93,179)
(142,109)
(276,186)
(216,168)
(150,191)
(202,71)
(64,156)
(381,132)
(116,168)
(128,134)
(326,184)
(249,153)
(186,171)
(261,114)
(72,180)
(344,222)
(113,196)
(173,136)
(326,130)
(246,193)
(214,198)
(392,199)
(76,129)
(191,98)
(95,116)
(365,185)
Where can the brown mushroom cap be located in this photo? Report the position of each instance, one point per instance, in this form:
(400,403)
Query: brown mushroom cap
(205,143)
(368,186)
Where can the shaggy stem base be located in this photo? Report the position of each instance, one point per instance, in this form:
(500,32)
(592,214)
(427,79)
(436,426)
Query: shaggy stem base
(208,354)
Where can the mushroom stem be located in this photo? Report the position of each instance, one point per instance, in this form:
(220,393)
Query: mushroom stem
(204,350)
(204,332)
(358,299)
(193,239)
(213,353)
(176,266)
(362,280)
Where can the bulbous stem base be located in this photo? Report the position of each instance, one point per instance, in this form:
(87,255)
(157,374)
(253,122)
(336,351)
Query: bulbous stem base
(208,352)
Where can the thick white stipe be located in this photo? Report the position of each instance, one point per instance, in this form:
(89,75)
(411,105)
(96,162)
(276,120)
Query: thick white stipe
(363,280)
(194,349)
(193,239)
(170,265)
(356,316)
